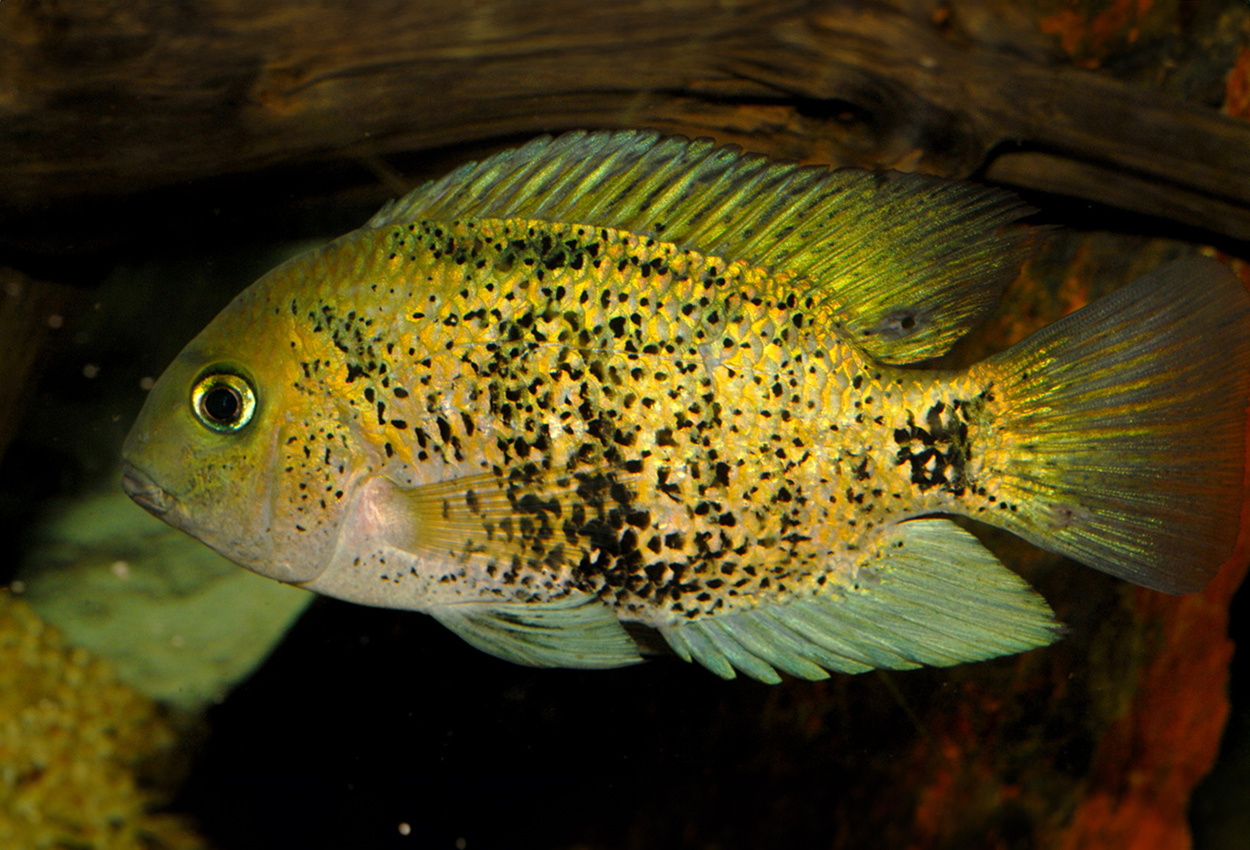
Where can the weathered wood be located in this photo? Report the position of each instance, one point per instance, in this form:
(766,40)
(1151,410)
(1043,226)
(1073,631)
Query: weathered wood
(1057,175)
(100,99)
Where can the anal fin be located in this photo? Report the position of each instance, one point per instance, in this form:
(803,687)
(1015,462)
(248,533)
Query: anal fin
(935,596)
(576,631)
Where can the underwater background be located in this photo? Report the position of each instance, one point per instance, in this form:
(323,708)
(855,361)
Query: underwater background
(153,695)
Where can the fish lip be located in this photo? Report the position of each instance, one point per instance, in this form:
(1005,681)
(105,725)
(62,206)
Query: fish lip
(140,487)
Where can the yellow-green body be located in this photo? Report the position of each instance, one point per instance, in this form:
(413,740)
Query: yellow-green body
(648,424)
(617,378)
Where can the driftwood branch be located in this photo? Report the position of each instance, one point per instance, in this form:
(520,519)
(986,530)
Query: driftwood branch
(100,99)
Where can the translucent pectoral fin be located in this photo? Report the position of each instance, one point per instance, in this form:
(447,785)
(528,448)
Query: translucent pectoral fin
(935,596)
(576,631)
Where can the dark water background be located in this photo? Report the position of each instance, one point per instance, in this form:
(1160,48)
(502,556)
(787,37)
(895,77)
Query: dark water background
(363,720)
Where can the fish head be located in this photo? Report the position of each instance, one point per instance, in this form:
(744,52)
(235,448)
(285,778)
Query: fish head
(212,453)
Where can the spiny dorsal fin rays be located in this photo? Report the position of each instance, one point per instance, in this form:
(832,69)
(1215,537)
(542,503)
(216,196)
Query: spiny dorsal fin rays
(904,263)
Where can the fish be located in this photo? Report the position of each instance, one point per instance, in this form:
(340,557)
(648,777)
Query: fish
(610,385)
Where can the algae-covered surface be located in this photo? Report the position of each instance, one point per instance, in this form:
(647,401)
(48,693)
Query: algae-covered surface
(74,740)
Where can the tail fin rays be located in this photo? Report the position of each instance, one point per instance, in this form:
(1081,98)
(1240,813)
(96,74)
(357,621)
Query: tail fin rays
(1128,428)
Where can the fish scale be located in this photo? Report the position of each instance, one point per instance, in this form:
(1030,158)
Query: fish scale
(699,487)
(620,378)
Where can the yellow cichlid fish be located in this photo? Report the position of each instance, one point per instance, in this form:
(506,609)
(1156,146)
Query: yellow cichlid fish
(621,378)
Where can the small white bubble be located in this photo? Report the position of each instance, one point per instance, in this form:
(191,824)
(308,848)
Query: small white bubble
(120,569)
(55,321)
(17,586)
(90,370)
(404,829)
(147,382)
(461,844)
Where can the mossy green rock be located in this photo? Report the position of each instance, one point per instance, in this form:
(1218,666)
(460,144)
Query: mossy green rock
(180,623)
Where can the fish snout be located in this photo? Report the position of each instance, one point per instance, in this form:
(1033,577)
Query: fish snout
(138,486)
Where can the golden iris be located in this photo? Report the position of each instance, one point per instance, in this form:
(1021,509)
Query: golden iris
(223,402)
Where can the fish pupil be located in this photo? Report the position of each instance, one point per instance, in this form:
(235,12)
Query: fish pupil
(222,404)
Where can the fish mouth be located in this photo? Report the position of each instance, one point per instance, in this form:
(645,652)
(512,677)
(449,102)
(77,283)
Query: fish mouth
(149,496)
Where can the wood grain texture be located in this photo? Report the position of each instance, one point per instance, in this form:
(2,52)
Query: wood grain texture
(105,98)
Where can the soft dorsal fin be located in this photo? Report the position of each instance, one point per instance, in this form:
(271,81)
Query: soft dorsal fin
(907,263)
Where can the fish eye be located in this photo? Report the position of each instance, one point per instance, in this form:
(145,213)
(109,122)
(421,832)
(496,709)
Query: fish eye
(223,402)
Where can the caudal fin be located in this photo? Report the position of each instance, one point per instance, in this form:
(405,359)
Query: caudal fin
(1124,444)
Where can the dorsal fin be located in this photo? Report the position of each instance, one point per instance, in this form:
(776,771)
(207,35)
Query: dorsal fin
(907,263)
